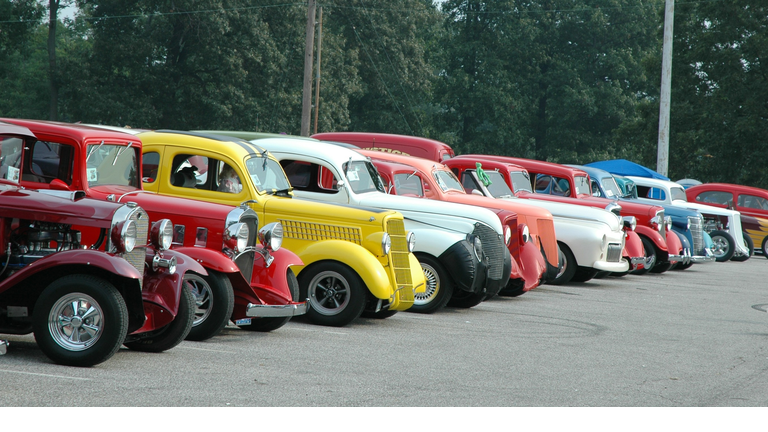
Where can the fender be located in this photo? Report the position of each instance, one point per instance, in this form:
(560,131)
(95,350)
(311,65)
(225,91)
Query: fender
(633,251)
(162,290)
(360,260)
(209,258)
(532,265)
(652,235)
(466,271)
(674,247)
(270,284)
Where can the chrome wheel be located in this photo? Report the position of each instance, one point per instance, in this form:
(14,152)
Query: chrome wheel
(329,293)
(203,295)
(75,322)
(433,286)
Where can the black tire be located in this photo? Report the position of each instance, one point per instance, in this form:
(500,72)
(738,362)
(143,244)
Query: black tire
(102,318)
(764,247)
(269,324)
(661,267)
(583,274)
(514,288)
(750,247)
(724,245)
(336,293)
(650,251)
(566,263)
(382,314)
(214,301)
(465,299)
(173,333)
(681,266)
(602,274)
(439,290)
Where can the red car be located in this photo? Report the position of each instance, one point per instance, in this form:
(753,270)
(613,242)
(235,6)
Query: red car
(248,283)
(750,201)
(398,144)
(517,181)
(81,299)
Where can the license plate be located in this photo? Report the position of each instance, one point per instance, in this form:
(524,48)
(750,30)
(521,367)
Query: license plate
(244,321)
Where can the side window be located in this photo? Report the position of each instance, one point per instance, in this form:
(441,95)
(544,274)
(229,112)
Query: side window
(595,189)
(149,163)
(309,177)
(190,171)
(48,161)
(651,193)
(298,173)
(409,185)
(542,184)
(754,202)
(227,179)
(468,182)
(715,197)
(10,158)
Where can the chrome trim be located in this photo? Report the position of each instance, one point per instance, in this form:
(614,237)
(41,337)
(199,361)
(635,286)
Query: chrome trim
(3,347)
(270,311)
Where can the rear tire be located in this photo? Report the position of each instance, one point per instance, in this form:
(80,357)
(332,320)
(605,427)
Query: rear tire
(172,334)
(750,247)
(84,337)
(567,264)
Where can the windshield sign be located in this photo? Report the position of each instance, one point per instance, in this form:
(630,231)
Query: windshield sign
(363,177)
(266,174)
(112,164)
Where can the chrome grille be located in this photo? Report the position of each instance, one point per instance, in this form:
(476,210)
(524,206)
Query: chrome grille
(138,255)
(399,257)
(614,252)
(316,232)
(697,233)
(493,248)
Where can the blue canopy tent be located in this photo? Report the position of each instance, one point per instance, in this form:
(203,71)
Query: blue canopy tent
(626,168)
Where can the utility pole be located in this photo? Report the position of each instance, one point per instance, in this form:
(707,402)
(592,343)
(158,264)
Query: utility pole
(319,52)
(306,106)
(662,158)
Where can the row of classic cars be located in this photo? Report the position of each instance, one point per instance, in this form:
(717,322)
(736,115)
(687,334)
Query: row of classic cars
(256,228)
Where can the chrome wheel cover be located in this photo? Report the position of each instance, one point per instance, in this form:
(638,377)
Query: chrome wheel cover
(328,293)
(433,286)
(203,295)
(75,322)
(561,262)
(721,246)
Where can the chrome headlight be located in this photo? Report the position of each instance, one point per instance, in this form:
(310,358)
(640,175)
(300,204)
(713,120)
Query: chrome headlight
(657,222)
(525,234)
(386,244)
(668,222)
(411,238)
(161,234)
(271,236)
(477,246)
(507,235)
(124,236)
(236,237)
(629,222)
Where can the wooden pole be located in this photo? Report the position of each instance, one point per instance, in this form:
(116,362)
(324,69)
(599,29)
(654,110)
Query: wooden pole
(306,106)
(319,52)
(662,157)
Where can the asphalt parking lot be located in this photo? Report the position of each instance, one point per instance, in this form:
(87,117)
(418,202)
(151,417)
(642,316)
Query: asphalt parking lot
(689,338)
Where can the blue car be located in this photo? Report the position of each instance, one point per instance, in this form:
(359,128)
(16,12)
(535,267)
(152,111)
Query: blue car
(687,224)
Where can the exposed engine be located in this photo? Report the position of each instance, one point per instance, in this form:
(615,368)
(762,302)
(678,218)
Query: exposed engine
(31,241)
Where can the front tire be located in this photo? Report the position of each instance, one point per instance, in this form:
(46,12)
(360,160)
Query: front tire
(764,247)
(650,252)
(269,324)
(750,247)
(336,294)
(214,301)
(80,320)
(566,263)
(584,274)
(173,333)
(724,245)
(439,287)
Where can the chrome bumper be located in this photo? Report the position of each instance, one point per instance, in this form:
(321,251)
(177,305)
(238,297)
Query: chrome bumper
(707,258)
(3,347)
(642,262)
(274,311)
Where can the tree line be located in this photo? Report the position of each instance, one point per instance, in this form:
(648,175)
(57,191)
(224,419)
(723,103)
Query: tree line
(568,81)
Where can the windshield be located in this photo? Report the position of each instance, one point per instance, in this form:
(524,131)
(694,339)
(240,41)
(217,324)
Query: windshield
(498,188)
(266,174)
(610,187)
(446,180)
(112,164)
(521,181)
(678,194)
(582,185)
(363,177)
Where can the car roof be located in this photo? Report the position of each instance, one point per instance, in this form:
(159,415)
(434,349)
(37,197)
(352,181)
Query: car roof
(74,130)
(319,149)
(13,129)
(728,187)
(416,162)
(533,165)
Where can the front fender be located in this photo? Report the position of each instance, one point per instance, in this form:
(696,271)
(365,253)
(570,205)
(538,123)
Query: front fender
(652,235)
(359,259)
(209,258)
(532,265)
(270,284)
(633,250)
(466,271)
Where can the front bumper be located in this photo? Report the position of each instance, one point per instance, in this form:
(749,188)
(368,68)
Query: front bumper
(613,267)
(708,257)
(275,311)
(638,263)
